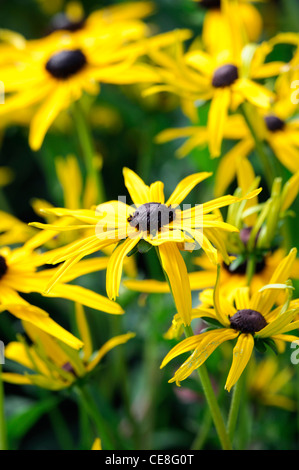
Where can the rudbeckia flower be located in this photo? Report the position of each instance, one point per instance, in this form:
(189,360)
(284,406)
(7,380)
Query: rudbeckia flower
(51,73)
(260,224)
(227,81)
(252,318)
(21,273)
(153,221)
(267,383)
(51,364)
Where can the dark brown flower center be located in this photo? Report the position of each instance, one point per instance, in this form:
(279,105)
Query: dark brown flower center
(151,217)
(248,321)
(61,22)
(3,266)
(225,76)
(274,123)
(210,4)
(64,64)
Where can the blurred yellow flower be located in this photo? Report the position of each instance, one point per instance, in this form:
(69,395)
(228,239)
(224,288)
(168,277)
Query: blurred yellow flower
(50,363)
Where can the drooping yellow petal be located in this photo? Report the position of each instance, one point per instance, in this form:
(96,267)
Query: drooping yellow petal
(115,266)
(46,115)
(241,355)
(217,117)
(174,266)
(209,342)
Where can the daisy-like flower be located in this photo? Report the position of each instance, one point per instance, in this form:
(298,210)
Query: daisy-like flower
(227,81)
(50,363)
(267,384)
(260,224)
(253,318)
(22,271)
(152,221)
(51,73)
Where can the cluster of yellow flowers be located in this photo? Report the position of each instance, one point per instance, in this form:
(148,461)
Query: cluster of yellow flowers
(245,270)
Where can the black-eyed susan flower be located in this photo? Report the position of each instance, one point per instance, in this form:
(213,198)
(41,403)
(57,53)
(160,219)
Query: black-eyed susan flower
(254,248)
(227,81)
(51,73)
(50,363)
(252,318)
(152,221)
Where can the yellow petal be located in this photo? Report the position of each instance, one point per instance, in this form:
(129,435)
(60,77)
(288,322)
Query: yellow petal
(241,355)
(139,191)
(115,266)
(174,266)
(185,186)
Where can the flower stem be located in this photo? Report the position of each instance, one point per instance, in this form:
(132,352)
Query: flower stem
(259,146)
(212,402)
(88,150)
(92,411)
(234,408)
(3,437)
(207,389)
(250,269)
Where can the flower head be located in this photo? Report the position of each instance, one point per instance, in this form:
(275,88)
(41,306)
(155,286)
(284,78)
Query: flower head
(51,364)
(153,221)
(253,318)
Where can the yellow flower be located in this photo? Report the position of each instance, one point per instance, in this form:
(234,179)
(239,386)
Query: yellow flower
(227,81)
(153,221)
(253,318)
(265,383)
(50,363)
(20,273)
(259,224)
(50,74)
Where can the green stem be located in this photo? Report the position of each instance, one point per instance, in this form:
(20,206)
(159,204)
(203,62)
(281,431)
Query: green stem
(207,389)
(259,146)
(234,408)
(88,150)
(250,269)
(92,411)
(212,402)
(3,436)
